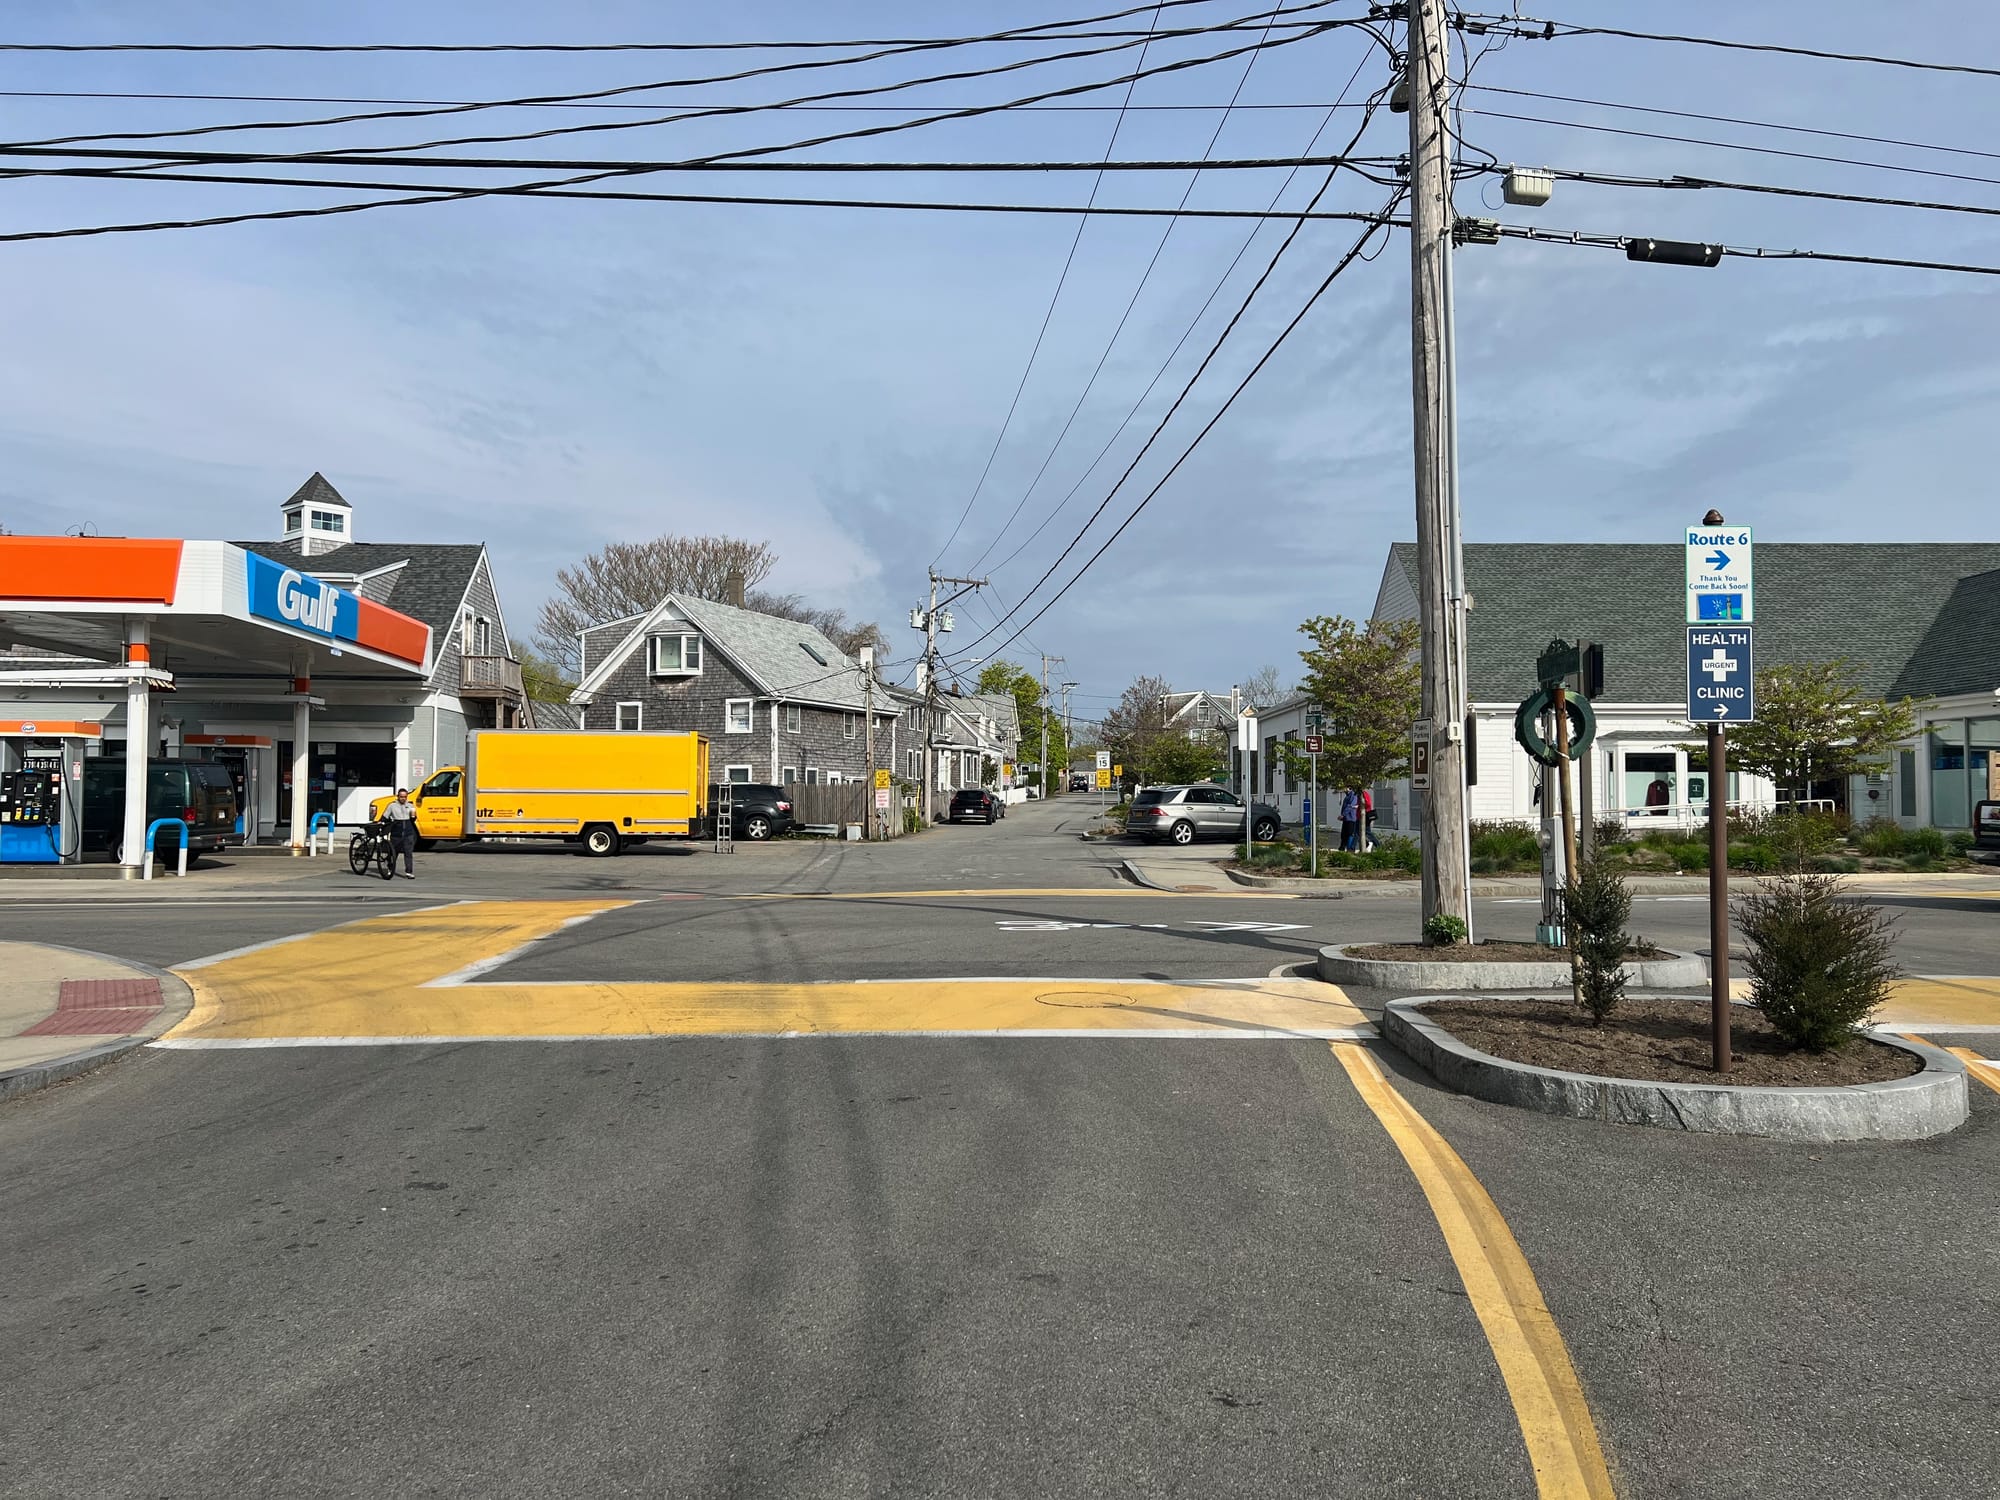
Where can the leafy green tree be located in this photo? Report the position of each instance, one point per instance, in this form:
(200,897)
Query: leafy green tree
(1366,680)
(1026,690)
(542,679)
(1815,723)
(1138,736)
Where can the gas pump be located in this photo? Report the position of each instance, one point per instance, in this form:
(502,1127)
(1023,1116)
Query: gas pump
(41,812)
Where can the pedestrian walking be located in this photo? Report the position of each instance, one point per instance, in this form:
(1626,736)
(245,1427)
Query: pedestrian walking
(1350,812)
(1366,813)
(402,821)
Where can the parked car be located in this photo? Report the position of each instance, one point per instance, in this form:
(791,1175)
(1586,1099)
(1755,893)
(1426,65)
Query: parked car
(976,805)
(757,810)
(1986,830)
(1080,781)
(1186,813)
(200,794)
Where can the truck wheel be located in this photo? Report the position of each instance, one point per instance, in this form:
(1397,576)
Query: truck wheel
(600,838)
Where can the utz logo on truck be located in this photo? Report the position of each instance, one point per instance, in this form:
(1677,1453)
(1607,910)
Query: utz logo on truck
(298,600)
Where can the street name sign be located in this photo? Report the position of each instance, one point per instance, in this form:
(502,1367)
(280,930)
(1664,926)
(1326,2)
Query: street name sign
(1718,576)
(1721,676)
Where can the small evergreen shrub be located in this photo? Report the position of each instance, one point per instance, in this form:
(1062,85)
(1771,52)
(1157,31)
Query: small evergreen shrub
(1506,846)
(1929,843)
(1820,964)
(1442,930)
(1600,905)
(1689,855)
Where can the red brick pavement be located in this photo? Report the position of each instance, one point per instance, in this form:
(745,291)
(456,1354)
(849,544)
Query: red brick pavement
(101,1007)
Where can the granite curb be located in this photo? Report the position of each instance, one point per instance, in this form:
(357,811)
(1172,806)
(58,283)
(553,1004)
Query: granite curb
(1683,971)
(1925,1104)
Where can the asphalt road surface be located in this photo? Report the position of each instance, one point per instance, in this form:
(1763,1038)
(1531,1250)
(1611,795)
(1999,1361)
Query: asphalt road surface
(935,1263)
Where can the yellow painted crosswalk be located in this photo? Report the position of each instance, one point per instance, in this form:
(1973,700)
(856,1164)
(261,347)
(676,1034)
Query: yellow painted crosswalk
(420,976)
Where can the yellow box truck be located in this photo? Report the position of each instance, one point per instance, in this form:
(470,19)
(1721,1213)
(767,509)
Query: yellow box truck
(599,788)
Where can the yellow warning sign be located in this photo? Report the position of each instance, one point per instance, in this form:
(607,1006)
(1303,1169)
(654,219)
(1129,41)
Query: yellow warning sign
(1103,780)
(881,781)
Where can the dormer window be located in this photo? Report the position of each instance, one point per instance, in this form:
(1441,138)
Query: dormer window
(294,522)
(331,521)
(673,655)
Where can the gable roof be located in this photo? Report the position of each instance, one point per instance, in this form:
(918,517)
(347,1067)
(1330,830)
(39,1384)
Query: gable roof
(316,491)
(1889,608)
(786,660)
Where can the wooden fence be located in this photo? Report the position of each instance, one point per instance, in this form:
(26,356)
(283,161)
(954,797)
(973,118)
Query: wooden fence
(822,805)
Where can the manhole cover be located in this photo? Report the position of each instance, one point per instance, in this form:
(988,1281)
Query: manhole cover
(1081,1000)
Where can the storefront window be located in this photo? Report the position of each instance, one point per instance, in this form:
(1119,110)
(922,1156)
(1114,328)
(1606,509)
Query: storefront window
(1651,783)
(336,772)
(1945,746)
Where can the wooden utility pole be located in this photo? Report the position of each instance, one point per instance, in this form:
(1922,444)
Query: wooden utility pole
(1570,871)
(870,819)
(1446,873)
(1046,660)
(932,706)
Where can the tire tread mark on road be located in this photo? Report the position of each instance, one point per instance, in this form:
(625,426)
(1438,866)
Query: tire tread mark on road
(1548,1398)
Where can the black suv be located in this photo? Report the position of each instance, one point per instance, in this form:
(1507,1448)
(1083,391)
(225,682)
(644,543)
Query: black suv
(757,811)
(975,806)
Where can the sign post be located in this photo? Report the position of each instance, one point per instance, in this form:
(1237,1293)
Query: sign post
(1722,690)
(1315,743)
(1246,741)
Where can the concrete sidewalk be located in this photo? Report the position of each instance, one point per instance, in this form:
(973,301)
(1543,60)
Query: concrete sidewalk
(64,1011)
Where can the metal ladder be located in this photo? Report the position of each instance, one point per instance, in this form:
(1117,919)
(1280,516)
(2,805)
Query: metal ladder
(724,813)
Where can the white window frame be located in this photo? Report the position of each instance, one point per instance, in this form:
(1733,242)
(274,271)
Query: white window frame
(687,649)
(791,775)
(638,717)
(850,725)
(729,774)
(329,522)
(813,777)
(794,719)
(729,707)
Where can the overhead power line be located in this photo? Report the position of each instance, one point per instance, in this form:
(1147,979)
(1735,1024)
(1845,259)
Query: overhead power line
(803,109)
(448,196)
(1679,182)
(1690,114)
(1048,314)
(1539,29)
(1353,254)
(1598,240)
(442,47)
(1125,316)
(1691,140)
(613,195)
(769,70)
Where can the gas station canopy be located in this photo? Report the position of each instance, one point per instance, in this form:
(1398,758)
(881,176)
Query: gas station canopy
(216,609)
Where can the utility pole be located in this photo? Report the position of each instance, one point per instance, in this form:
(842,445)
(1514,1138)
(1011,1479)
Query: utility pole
(1446,877)
(928,620)
(1069,733)
(1046,660)
(870,818)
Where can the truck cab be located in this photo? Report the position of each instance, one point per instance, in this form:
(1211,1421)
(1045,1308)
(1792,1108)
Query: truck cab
(440,805)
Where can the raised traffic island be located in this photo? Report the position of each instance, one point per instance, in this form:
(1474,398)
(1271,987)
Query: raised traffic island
(1429,967)
(1647,1064)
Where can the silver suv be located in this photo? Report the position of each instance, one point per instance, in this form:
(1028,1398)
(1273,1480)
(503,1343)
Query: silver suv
(1186,813)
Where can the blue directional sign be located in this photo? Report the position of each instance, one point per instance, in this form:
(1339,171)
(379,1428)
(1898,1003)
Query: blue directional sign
(1721,682)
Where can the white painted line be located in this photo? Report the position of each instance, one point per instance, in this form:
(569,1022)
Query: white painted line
(487,965)
(244,952)
(1134,1034)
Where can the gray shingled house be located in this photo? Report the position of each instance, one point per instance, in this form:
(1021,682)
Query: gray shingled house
(1918,620)
(778,700)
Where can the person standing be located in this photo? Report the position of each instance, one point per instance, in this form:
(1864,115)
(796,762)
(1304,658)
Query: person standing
(1350,809)
(401,819)
(1364,815)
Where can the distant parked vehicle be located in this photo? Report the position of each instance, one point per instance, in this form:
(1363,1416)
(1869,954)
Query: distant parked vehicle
(976,805)
(1080,781)
(1986,830)
(1186,813)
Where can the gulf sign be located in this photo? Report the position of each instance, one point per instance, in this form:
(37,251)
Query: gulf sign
(298,600)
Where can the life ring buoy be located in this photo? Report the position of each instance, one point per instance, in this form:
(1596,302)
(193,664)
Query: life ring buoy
(1527,728)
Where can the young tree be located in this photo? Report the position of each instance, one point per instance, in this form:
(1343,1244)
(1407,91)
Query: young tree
(1137,723)
(542,679)
(1366,680)
(1815,723)
(1026,690)
(1265,687)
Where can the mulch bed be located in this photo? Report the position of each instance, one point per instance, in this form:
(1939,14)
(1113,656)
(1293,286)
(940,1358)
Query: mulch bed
(1665,1041)
(1480,953)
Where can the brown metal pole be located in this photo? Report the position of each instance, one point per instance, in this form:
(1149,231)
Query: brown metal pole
(1569,838)
(1718,896)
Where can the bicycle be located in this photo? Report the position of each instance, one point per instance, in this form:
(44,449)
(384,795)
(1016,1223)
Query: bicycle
(370,847)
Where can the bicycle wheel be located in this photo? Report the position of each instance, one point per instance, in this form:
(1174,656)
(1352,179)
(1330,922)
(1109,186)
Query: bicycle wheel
(385,860)
(357,854)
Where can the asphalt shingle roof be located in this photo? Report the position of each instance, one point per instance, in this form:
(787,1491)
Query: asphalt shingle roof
(430,587)
(1902,613)
(791,660)
(316,491)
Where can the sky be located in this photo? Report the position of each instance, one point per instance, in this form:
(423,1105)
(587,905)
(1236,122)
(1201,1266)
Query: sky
(548,376)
